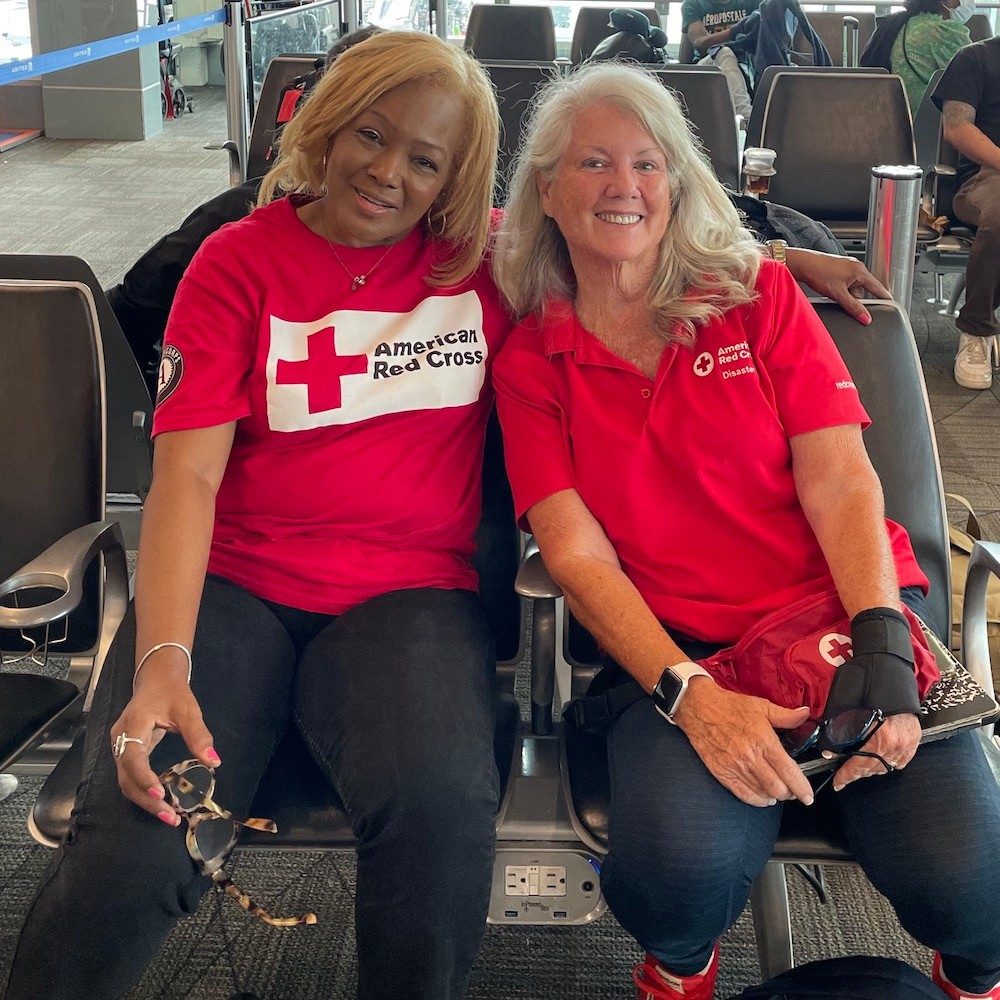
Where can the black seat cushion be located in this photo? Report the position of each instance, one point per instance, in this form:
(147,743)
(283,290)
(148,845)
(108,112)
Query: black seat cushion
(28,703)
(294,792)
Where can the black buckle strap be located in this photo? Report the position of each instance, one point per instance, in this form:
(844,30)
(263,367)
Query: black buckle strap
(596,712)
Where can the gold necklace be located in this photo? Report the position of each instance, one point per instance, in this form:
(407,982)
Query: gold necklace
(357,280)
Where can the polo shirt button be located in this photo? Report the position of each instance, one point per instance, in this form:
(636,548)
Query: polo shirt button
(646,393)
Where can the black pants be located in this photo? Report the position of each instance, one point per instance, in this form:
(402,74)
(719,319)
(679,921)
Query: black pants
(395,701)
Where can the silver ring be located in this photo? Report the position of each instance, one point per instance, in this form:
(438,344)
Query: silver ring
(123,741)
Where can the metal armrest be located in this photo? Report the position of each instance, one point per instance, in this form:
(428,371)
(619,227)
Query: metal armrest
(943,170)
(61,566)
(533,581)
(143,470)
(235,167)
(984,562)
(533,578)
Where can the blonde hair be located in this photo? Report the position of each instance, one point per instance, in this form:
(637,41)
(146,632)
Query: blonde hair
(358,78)
(708,261)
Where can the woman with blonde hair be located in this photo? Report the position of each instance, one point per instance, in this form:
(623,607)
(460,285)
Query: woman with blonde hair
(684,441)
(306,546)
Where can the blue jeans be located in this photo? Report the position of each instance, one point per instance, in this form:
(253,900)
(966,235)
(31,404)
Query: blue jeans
(685,852)
(395,701)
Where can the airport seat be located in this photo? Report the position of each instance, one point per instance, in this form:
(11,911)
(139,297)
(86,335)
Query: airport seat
(63,575)
(829,25)
(293,792)
(705,99)
(766,81)
(979,27)
(280,72)
(129,408)
(593,26)
(829,130)
(516,84)
(506,31)
(884,362)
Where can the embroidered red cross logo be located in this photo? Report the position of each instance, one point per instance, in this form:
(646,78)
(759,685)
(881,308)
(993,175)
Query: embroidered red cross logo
(704,363)
(322,371)
(838,648)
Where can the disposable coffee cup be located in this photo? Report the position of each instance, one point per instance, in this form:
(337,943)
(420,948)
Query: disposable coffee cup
(758,160)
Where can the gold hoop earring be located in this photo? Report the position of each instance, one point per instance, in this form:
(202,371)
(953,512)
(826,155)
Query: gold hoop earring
(430,224)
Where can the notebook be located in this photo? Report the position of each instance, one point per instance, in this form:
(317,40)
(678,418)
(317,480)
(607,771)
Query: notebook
(956,702)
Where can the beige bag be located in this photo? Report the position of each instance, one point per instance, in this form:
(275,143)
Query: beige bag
(961,549)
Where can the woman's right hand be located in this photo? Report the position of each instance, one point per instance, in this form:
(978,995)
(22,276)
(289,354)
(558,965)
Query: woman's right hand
(734,734)
(162,702)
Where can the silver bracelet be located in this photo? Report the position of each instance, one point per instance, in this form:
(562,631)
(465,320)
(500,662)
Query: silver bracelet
(163,645)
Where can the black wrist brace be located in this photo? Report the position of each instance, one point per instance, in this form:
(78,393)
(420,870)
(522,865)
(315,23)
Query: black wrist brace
(880,673)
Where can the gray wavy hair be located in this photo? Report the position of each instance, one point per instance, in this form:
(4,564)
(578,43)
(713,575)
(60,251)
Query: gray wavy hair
(708,260)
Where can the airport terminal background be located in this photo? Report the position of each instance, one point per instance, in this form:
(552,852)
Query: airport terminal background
(107,201)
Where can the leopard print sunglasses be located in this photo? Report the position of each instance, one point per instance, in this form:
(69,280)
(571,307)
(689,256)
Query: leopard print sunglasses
(212,833)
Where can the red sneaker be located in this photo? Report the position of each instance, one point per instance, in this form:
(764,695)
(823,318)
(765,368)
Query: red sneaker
(657,983)
(950,990)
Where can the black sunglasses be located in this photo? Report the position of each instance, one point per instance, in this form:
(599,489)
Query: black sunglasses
(843,735)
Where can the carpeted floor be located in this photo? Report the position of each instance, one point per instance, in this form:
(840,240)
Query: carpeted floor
(107,202)
(317,963)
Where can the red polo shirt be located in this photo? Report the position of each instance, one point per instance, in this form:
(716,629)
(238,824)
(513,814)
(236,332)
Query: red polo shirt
(690,473)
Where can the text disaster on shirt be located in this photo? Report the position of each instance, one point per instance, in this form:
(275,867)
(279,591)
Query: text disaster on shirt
(351,365)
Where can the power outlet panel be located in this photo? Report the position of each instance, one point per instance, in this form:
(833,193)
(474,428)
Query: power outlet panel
(535,886)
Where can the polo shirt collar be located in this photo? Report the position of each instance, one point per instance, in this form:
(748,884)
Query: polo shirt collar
(563,333)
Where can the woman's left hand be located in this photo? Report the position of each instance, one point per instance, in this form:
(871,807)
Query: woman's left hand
(842,279)
(895,742)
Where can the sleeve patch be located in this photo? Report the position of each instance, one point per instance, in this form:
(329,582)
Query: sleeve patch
(169,375)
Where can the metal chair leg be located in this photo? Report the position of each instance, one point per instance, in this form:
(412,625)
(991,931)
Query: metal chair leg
(951,309)
(771,921)
(938,299)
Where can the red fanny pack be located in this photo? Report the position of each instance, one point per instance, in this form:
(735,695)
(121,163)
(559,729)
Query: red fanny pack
(790,656)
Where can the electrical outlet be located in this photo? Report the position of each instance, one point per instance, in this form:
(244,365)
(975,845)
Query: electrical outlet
(552,880)
(535,880)
(516,880)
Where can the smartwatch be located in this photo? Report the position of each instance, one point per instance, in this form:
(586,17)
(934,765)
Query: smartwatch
(672,685)
(777,249)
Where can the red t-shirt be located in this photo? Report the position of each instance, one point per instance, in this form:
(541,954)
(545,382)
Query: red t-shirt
(690,474)
(360,416)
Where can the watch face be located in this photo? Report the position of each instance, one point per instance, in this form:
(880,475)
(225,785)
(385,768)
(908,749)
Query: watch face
(668,691)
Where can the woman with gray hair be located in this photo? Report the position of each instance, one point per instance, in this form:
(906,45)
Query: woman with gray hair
(684,441)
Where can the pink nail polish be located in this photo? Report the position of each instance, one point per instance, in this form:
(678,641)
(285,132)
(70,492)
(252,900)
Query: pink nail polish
(154,792)
(165,817)
(212,756)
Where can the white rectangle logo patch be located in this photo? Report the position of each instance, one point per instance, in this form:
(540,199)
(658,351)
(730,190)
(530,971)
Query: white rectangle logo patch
(350,366)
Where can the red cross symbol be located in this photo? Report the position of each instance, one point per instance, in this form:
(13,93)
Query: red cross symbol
(838,648)
(704,364)
(322,371)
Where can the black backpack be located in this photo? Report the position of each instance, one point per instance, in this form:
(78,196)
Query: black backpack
(854,978)
(635,40)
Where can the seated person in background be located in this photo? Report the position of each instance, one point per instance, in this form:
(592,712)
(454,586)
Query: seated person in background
(306,550)
(679,497)
(710,23)
(968,96)
(142,301)
(927,41)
